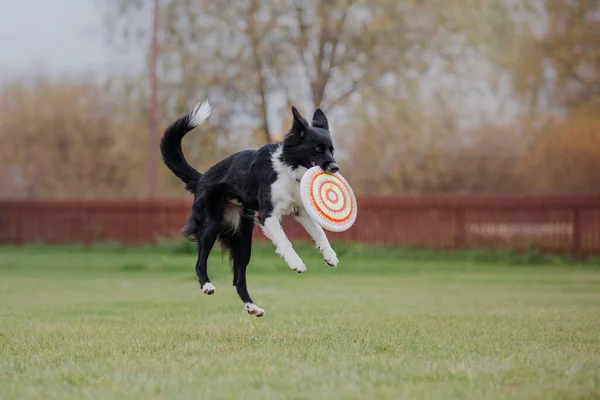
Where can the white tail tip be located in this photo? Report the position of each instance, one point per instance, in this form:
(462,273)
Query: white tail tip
(200,113)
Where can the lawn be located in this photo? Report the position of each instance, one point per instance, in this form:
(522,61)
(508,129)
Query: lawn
(111,323)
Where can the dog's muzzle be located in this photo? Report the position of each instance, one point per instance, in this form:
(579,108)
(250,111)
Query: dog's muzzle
(332,168)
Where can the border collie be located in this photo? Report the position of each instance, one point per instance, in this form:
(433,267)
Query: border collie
(263,182)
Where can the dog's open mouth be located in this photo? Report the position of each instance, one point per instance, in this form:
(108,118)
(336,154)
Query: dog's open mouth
(312,163)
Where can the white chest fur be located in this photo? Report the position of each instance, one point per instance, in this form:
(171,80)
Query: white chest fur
(285,191)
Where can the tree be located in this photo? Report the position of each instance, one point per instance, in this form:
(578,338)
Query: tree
(558,63)
(64,138)
(256,57)
(562,154)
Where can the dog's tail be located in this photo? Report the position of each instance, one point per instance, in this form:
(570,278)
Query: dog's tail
(170,144)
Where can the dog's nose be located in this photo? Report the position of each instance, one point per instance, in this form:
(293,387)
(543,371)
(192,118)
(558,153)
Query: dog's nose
(333,168)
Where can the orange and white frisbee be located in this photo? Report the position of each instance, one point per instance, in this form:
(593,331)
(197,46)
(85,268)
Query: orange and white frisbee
(328,199)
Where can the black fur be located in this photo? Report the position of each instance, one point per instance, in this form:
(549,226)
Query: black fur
(241,183)
(305,145)
(170,147)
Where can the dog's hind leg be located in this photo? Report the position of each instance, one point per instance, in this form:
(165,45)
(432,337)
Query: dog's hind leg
(206,240)
(239,246)
(205,223)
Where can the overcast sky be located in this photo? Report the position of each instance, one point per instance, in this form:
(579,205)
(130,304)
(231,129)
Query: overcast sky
(62,37)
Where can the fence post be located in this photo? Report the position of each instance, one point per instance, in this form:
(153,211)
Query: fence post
(576,223)
(11,224)
(460,229)
(15,224)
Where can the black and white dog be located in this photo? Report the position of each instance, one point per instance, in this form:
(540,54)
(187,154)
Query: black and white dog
(263,182)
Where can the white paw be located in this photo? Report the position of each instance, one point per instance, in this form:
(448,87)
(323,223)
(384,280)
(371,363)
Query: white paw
(208,288)
(253,309)
(298,266)
(293,260)
(330,257)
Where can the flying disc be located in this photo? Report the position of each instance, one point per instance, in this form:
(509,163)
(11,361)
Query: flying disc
(328,199)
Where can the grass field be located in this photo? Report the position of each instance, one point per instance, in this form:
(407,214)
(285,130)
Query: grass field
(119,324)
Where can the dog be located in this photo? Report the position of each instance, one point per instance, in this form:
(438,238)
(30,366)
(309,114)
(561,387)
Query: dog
(251,185)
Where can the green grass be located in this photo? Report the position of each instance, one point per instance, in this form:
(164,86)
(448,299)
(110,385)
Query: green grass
(119,323)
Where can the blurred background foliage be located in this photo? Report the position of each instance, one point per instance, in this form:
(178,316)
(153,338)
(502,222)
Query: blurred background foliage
(402,82)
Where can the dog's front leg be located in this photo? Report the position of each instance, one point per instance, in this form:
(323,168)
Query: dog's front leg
(273,230)
(318,235)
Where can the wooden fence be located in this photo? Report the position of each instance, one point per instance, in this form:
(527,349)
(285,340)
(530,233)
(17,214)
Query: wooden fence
(556,224)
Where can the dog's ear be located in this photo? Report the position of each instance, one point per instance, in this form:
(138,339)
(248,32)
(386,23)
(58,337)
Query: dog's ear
(299,126)
(320,120)
(299,122)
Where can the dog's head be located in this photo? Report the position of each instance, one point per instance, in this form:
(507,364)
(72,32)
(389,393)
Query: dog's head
(307,145)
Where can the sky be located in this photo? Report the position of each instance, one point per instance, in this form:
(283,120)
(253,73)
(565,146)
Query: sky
(59,37)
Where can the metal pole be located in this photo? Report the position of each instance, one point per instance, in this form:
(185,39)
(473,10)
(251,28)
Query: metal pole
(152,167)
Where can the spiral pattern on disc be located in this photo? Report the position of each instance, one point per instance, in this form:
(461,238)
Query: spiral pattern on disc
(328,199)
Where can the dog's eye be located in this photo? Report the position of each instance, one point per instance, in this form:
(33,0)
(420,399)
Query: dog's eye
(331,149)
(318,149)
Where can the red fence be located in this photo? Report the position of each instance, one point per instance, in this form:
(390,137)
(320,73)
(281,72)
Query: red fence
(556,224)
